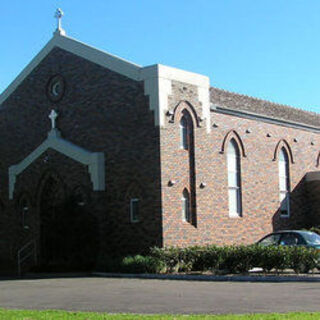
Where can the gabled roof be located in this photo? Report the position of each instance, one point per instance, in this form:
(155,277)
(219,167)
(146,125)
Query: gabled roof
(99,57)
(228,101)
(93,160)
(157,78)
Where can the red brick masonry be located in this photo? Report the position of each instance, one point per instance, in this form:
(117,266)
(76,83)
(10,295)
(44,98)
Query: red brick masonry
(103,111)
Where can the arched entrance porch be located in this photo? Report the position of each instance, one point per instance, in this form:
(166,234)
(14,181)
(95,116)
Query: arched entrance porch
(68,231)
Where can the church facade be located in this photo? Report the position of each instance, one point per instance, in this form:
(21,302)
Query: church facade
(101,156)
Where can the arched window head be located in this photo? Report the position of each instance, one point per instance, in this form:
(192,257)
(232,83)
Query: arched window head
(184,132)
(234,179)
(284,183)
(186,210)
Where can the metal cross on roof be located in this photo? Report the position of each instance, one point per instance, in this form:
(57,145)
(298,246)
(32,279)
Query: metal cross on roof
(53,116)
(58,15)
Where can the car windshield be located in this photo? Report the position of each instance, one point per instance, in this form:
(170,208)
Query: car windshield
(271,239)
(311,237)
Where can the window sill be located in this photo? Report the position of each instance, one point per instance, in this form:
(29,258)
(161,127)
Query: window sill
(234,216)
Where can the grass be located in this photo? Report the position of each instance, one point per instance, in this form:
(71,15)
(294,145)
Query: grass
(64,315)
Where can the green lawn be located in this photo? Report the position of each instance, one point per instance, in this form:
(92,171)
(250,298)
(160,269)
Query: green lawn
(63,315)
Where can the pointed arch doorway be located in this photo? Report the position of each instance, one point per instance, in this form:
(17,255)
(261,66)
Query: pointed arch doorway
(69,232)
(52,227)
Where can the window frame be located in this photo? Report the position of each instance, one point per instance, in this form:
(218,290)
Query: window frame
(184,133)
(186,206)
(284,194)
(299,239)
(236,176)
(273,235)
(134,219)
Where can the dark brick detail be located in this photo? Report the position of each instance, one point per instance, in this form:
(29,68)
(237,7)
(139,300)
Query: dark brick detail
(283,144)
(232,134)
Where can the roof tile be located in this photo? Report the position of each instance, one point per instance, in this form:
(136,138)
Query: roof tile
(235,101)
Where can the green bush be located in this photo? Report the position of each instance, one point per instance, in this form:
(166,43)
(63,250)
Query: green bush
(236,259)
(271,257)
(171,257)
(303,259)
(142,264)
(208,258)
(227,259)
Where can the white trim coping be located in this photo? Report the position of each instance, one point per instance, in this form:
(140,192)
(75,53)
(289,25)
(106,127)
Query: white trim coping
(94,160)
(264,118)
(157,78)
(99,57)
(158,84)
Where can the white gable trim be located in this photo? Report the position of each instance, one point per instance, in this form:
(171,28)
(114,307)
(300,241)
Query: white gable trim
(99,57)
(158,83)
(94,160)
(157,78)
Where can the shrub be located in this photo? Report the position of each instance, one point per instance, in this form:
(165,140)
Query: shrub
(232,259)
(271,257)
(237,259)
(303,259)
(142,264)
(207,258)
(171,257)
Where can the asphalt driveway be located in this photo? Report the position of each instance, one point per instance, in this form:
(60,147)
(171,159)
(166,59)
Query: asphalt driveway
(158,296)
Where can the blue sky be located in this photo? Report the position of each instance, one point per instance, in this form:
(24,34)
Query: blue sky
(263,48)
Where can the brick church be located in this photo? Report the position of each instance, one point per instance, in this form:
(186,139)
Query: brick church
(103,156)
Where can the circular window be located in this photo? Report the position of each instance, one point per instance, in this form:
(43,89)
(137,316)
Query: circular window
(55,88)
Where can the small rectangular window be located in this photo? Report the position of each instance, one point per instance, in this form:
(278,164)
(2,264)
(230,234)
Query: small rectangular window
(134,210)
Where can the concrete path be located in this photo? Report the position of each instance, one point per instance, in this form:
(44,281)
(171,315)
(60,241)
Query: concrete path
(158,296)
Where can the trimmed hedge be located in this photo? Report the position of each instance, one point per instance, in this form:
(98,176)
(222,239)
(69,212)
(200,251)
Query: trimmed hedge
(227,259)
(142,264)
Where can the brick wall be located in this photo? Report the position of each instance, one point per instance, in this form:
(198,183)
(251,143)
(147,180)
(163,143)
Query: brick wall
(100,111)
(259,176)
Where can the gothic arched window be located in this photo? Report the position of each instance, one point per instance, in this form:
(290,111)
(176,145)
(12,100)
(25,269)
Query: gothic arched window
(234,179)
(186,212)
(184,132)
(284,183)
